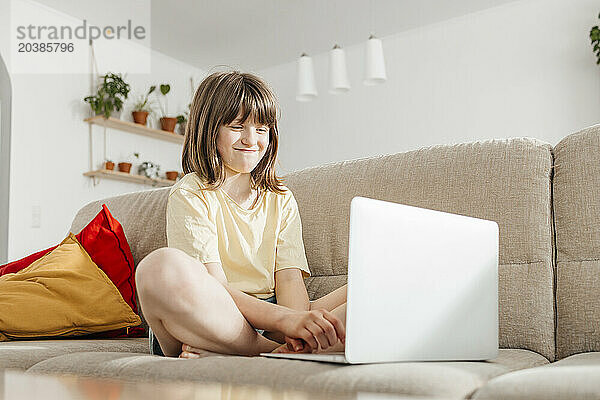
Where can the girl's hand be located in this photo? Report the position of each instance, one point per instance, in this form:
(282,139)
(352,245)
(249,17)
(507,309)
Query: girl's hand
(319,329)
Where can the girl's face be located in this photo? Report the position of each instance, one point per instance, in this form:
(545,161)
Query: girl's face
(236,137)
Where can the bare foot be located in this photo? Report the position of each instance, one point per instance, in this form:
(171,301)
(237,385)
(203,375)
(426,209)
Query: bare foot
(193,352)
(284,348)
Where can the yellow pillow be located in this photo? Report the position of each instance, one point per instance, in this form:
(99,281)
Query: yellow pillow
(62,294)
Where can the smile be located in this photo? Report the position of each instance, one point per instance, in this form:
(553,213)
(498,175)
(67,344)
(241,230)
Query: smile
(247,151)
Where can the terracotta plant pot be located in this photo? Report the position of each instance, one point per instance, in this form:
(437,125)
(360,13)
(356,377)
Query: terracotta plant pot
(125,166)
(168,124)
(109,165)
(140,117)
(172,175)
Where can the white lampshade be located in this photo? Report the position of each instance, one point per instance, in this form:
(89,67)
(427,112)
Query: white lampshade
(307,89)
(374,62)
(338,75)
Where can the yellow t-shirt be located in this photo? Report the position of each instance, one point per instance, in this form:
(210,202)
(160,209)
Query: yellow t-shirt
(251,245)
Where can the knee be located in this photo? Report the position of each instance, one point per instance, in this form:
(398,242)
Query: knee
(166,268)
(150,264)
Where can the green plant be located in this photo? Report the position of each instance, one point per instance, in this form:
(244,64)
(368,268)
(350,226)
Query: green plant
(133,157)
(164,89)
(595,38)
(110,96)
(143,103)
(182,118)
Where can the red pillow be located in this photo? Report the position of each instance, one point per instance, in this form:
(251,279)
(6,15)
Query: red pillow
(104,240)
(18,265)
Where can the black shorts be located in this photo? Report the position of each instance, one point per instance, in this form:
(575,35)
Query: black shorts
(155,346)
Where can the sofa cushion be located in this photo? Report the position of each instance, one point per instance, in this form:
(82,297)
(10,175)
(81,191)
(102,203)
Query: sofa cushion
(449,379)
(143,218)
(22,354)
(507,181)
(17,265)
(64,293)
(575,377)
(104,240)
(576,191)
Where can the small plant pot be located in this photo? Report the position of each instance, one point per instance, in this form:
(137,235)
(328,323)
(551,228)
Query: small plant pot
(109,165)
(125,167)
(168,124)
(140,117)
(172,175)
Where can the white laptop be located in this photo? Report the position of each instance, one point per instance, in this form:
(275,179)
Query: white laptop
(422,286)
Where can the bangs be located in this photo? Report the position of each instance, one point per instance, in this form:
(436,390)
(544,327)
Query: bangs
(219,100)
(255,102)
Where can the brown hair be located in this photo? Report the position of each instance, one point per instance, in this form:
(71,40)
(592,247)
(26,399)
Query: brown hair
(218,101)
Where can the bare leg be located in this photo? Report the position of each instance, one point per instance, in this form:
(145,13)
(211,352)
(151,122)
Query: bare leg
(331,300)
(183,303)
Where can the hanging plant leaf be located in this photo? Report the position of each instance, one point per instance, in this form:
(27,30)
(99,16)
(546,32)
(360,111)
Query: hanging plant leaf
(165,88)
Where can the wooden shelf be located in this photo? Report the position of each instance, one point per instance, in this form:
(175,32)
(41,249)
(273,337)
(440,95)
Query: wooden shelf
(132,127)
(128,177)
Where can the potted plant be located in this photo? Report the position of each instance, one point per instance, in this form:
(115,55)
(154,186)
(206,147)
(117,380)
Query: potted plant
(109,164)
(595,38)
(143,107)
(126,166)
(166,123)
(172,175)
(110,95)
(149,169)
(182,120)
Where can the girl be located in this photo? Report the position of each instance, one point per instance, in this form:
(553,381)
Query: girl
(231,279)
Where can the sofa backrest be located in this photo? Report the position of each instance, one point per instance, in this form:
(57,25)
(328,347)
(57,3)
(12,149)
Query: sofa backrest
(142,215)
(507,181)
(576,191)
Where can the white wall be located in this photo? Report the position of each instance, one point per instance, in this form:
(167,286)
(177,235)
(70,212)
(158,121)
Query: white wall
(521,69)
(50,150)
(5,127)
(50,146)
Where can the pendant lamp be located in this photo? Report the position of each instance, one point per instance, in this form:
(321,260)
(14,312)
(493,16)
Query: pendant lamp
(374,62)
(338,75)
(307,89)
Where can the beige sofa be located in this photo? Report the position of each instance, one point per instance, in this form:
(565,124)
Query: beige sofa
(547,203)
